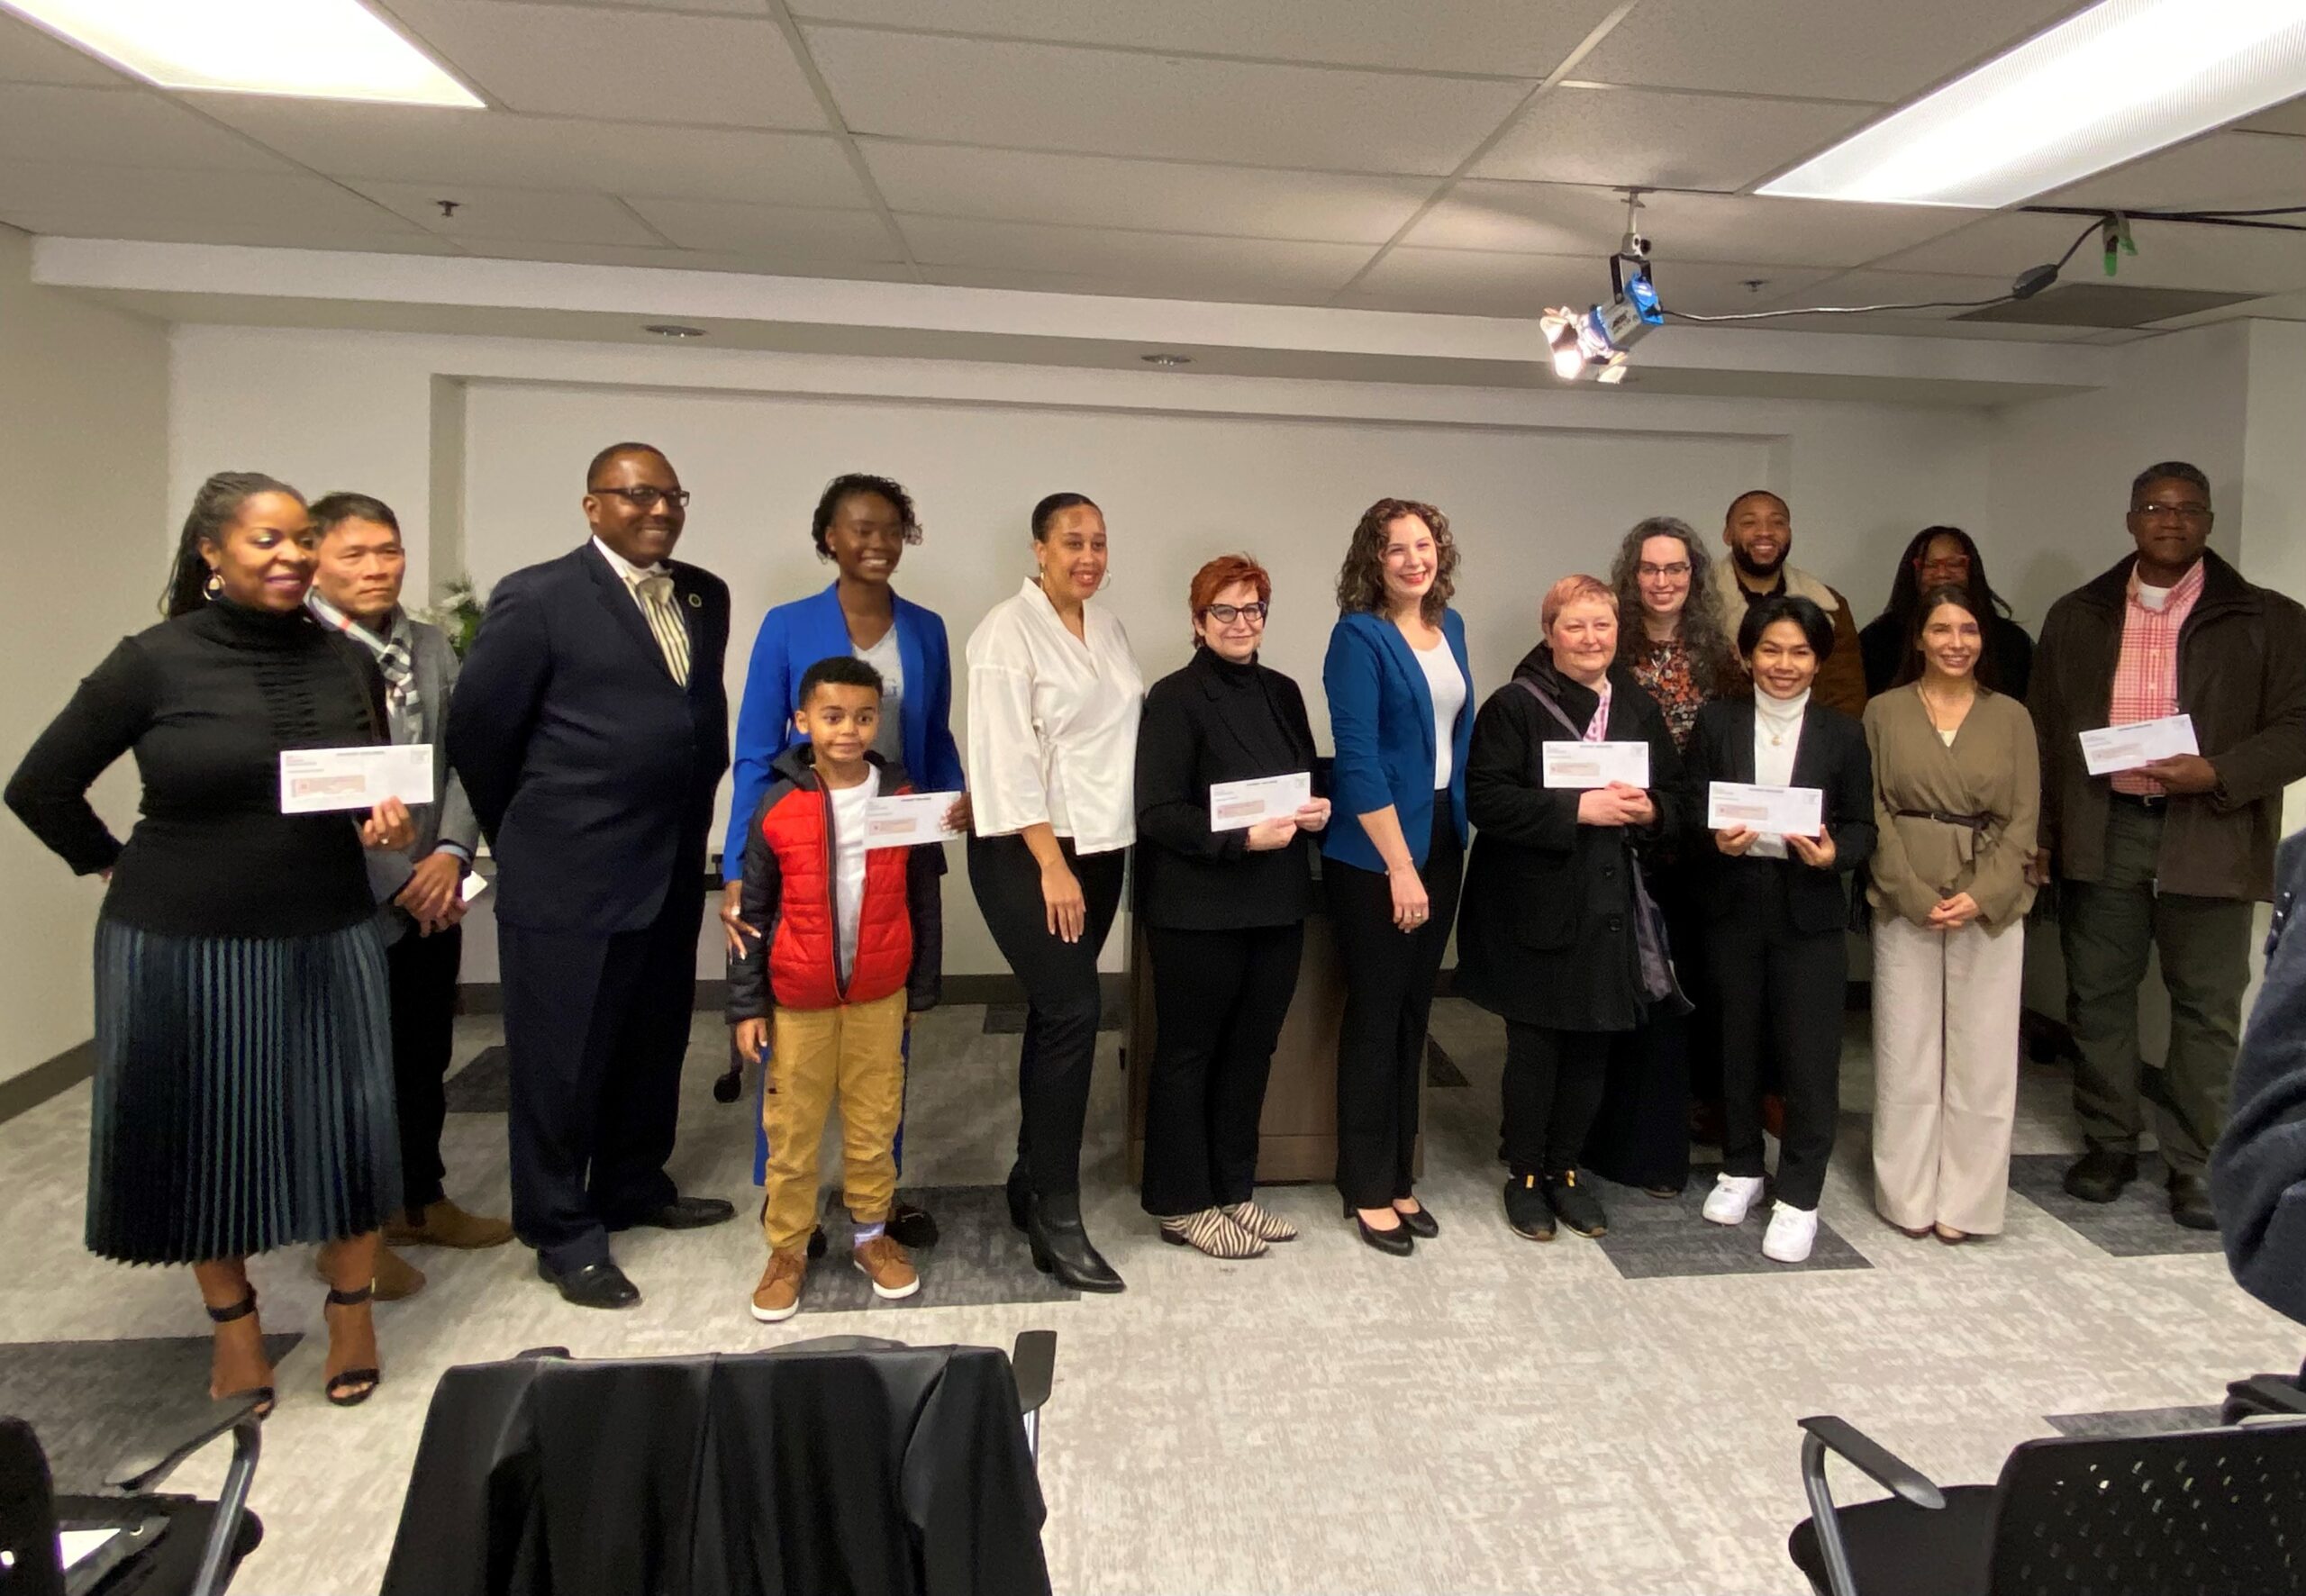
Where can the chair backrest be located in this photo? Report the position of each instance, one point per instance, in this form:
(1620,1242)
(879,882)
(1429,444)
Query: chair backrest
(2208,1512)
(27,1515)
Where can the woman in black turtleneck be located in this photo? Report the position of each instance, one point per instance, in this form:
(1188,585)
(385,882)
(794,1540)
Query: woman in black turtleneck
(244,1091)
(1224,913)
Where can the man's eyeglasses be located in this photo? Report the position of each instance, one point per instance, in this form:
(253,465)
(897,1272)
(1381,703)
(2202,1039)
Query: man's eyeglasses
(2160,512)
(1226,614)
(647,498)
(1680,567)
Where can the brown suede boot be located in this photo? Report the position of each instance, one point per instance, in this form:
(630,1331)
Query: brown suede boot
(444,1224)
(395,1277)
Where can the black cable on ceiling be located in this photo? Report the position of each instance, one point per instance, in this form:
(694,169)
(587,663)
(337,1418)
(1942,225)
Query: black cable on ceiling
(2027,284)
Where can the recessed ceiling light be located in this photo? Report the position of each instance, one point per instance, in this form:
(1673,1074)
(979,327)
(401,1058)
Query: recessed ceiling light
(320,49)
(1164,358)
(673,329)
(2119,80)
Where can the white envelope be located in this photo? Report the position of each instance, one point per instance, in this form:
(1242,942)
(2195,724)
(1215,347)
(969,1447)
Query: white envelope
(908,819)
(474,884)
(1580,765)
(2112,748)
(1236,806)
(1772,811)
(313,781)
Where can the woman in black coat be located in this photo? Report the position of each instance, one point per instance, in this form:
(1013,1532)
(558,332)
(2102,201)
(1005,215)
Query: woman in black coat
(1546,937)
(1224,913)
(1779,912)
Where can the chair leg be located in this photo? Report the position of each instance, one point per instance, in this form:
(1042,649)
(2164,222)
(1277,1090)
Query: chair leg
(231,1503)
(1839,1580)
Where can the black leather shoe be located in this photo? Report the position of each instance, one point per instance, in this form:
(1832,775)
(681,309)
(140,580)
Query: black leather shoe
(1062,1247)
(1577,1208)
(1395,1242)
(1018,1188)
(682,1213)
(911,1226)
(1420,1224)
(2189,1202)
(1527,1212)
(2100,1174)
(595,1285)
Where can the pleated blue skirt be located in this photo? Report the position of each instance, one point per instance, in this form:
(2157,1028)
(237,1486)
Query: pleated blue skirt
(243,1093)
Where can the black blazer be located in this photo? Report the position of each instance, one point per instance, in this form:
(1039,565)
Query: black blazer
(1216,721)
(1829,754)
(591,770)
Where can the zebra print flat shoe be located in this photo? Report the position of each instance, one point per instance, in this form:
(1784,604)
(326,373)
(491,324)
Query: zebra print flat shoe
(1261,1222)
(1214,1231)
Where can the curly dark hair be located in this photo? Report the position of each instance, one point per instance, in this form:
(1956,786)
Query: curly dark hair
(848,484)
(1704,631)
(214,508)
(1361,579)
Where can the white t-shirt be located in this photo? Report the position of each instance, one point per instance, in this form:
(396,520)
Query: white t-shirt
(848,861)
(889,737)
(1446,683)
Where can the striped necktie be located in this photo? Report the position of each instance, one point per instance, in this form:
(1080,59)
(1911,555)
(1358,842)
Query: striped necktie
(655,595)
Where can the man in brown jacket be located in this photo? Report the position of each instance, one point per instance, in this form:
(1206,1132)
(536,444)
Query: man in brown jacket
(1759,531)
(2168,858)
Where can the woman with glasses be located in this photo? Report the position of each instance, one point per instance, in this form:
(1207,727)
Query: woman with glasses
(1946,557)
(862,527)
(1224,910)
(1673,641)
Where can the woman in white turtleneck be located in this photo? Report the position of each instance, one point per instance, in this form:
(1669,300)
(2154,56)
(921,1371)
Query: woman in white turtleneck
(1779,910)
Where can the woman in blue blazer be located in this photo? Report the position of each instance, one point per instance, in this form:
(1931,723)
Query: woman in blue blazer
(862,525)
(1400,691)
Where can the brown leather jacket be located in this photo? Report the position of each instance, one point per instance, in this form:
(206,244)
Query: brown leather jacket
(2241,675)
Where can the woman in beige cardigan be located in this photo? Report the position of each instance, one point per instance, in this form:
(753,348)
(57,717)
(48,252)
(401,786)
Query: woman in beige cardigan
(1956,793)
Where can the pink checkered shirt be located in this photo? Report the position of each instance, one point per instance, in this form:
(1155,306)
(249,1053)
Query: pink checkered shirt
(1597,730)
(2146,678)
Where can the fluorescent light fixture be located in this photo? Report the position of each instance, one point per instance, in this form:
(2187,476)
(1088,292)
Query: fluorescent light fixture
(321,49)
(2119,80)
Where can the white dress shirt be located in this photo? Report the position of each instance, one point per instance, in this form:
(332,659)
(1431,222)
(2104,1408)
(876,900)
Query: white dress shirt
(1053,724)
(1777,735)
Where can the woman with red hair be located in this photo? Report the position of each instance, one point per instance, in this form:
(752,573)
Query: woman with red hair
(1548,938)
(1224,912)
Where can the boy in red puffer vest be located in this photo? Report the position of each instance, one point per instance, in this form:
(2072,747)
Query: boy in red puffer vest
(849,944)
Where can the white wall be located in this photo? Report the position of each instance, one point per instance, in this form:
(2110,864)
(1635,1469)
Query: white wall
(83,443)
(2273,519)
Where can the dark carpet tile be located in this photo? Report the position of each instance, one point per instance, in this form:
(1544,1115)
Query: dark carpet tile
(94,1403)
(484,1086)
(979,1259)
(1659,1238)
(2134,1224)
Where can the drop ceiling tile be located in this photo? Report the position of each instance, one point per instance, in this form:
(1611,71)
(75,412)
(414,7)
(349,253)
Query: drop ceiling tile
(793,230)
(1511,38)
(2221,169)
(573,60)
(415,144)
(518,214)
(1880,51)
(1485,283)
(1162,196)
(124,202)
(1530,218)
(1896,287)
(1061,97)
(2288,117)
(2169,256)
(1593,133)
(121,126)
(28,55)
(1155,262)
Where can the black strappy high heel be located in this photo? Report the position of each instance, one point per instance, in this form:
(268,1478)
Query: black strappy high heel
(352,1387)
(225,1316)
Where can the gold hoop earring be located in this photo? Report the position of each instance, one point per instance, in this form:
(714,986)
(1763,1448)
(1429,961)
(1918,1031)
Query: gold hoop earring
(214,585)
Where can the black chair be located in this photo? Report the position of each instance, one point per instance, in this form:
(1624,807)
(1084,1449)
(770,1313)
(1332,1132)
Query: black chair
(2199,1512)
(167,1546)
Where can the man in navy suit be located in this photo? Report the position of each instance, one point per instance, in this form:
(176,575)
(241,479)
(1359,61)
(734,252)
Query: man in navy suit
(590,726)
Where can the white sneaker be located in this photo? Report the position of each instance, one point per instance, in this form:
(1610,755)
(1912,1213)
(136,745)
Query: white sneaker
(1733,1198)
(1791,1232)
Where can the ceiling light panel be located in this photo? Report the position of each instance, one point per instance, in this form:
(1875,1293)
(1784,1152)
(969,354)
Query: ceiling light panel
(323,49)
(2112,83)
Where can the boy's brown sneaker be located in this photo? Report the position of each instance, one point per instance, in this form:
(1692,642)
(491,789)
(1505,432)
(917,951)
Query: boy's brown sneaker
(779,1294)
(886,1265)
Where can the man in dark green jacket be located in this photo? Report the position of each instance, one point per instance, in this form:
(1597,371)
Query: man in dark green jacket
(2169,857)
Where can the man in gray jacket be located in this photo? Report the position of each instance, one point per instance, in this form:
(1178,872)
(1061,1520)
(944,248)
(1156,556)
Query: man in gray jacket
(357,590)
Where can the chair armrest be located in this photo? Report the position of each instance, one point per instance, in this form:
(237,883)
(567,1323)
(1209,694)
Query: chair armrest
(143,1471)
(541,1352)
(1876,1462)
(1034,1361)
(2279,1392)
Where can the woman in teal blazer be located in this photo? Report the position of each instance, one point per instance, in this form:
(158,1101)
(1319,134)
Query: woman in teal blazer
(1400,695)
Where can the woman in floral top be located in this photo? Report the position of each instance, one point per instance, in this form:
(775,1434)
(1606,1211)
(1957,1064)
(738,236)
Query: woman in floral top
(1675,643)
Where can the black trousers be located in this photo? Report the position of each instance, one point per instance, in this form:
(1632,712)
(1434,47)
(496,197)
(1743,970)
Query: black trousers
(1062,998)
(1552,1088)
(423,974)
(1642,1134)
(1389,976)
(1780,992)
(1218,999)
(595,1028)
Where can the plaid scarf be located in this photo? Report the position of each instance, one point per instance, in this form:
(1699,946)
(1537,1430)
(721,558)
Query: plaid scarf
(396,658)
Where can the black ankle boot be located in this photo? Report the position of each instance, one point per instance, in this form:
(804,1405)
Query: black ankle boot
(1062,1249)
(1019,1192)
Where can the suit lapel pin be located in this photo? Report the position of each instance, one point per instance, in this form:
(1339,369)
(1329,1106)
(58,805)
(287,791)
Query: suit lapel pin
(696,601)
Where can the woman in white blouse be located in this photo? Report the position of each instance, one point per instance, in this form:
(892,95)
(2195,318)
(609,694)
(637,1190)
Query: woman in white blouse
(1054,696)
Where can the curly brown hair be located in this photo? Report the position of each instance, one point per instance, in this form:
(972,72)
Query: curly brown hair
(1361,580)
